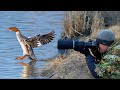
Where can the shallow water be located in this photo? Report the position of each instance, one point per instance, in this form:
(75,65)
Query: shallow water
(30,23)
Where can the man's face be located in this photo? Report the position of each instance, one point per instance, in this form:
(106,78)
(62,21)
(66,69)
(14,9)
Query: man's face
(103,48)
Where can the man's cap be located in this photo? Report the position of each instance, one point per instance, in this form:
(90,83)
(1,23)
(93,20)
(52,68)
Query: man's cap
(105,37)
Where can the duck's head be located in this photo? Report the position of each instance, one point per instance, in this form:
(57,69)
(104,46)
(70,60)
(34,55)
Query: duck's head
(14,29)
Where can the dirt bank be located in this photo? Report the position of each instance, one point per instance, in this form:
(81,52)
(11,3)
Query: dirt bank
(71,67)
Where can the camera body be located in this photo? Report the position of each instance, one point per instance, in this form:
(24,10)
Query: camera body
(72,44)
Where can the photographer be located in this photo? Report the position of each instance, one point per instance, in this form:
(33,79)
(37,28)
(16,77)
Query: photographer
(93,50)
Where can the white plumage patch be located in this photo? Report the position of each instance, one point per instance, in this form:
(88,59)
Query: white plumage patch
(39,44)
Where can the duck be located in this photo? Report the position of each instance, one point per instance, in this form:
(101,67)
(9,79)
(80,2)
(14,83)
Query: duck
(28,43)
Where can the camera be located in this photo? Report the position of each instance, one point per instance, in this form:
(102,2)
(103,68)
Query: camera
(72,44)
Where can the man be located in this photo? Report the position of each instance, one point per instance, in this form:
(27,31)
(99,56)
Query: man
(104,39)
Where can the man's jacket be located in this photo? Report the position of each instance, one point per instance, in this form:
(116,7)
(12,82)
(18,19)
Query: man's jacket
(92,57)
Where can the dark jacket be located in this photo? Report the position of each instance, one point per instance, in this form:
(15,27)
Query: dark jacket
(90,59)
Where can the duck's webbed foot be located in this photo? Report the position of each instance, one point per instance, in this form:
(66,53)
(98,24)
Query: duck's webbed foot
(20,57)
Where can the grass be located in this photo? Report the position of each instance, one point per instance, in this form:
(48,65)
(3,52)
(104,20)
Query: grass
(79,24)
(71,67)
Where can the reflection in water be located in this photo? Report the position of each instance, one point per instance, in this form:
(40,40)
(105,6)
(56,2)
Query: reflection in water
(29,70)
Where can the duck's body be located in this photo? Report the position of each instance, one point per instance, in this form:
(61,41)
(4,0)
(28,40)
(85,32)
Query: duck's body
(27,49)
(27,44)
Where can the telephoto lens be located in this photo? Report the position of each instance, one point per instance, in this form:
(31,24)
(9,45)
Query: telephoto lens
(71,44)
(65,44)
(90,44)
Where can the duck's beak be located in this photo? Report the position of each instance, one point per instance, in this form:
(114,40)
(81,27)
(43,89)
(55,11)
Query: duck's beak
(9,29)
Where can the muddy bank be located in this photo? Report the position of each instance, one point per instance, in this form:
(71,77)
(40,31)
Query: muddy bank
(72,66)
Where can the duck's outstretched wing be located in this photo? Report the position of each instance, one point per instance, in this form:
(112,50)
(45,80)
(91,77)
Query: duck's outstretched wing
(39,40)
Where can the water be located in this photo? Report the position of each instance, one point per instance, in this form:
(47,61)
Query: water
(30,23)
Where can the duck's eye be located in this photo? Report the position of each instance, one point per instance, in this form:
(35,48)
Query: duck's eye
(27,40)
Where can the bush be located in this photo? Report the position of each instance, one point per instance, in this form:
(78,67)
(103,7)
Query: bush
(109,66)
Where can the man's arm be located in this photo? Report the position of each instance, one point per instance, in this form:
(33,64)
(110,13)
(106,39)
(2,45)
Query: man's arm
(89,59)
(91,65)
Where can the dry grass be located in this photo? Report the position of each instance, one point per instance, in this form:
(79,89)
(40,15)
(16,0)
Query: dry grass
(111,18)
(81,23)
(71,67)
(116,30)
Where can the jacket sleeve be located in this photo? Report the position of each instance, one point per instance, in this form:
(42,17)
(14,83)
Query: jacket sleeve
(91,65)
(90,61)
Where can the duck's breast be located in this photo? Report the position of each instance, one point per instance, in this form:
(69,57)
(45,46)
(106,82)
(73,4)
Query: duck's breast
(22,43)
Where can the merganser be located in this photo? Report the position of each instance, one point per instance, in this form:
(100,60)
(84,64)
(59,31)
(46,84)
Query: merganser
(28,43)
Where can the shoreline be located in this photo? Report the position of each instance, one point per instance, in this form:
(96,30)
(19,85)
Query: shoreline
(72,66)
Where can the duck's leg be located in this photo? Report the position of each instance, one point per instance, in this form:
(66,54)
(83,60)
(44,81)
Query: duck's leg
(21,57)
(32,59)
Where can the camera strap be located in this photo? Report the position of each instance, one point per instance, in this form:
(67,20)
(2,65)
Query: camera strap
(73,44)
(95,53)
(92,53)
